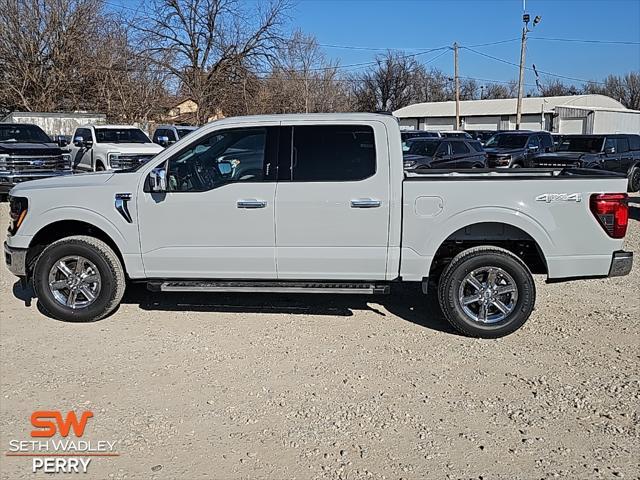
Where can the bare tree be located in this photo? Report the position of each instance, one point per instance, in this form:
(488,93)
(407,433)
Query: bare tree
(498,90)
(557,88)
(625,89)
(207,44)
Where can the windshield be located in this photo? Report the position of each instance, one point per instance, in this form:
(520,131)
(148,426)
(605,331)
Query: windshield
(183,132)
(22,134)
(121,135)
(581,144)
(423,147)
(507,141)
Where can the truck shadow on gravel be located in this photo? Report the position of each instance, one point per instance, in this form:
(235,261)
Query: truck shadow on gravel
(406,302)
(634,208)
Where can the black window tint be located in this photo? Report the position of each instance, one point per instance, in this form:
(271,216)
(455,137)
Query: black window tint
(547,141)
(534,141)
(171,134)
(336,153)
(623,145)
(476,146)
(459,148)
(157,134)
(610,143)
(634,142)
(85,133)
(222,157)
(443,149)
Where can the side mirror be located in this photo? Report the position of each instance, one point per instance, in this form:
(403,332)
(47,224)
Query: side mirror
(439,154)
(62,141)
(534,148)
(225,168)
(158,180)
(610,150)
(78,142)
(163,140)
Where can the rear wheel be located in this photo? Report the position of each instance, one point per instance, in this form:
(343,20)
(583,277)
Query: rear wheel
(79,279)
(486,292)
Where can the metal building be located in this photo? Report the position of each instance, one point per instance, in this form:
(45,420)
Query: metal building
(564,114)
(56,123)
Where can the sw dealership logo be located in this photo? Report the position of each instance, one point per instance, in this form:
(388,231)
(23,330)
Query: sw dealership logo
(60,455)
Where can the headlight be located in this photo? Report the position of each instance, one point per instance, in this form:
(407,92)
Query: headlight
(504,160)
(410,163)
(114,160)
(3,162)
(17,213)
(66,157)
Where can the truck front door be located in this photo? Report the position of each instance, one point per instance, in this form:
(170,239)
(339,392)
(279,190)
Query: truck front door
(332,201)
(216,219)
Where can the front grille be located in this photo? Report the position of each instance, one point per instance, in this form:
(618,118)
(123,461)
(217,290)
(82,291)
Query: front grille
(28,163)
(124,162)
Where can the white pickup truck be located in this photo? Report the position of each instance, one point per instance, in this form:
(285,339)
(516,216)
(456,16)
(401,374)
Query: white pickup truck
(110,147)
(314,203)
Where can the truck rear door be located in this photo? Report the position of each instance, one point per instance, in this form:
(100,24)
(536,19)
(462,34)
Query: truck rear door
(332,201)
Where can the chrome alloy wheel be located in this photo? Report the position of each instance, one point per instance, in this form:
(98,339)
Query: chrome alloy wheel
(74,282)
(488,295)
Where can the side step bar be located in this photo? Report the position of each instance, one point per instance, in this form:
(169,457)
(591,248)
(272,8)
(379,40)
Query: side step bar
(267,287)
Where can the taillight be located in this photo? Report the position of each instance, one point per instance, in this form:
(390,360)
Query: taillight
(612,212)
(17,213)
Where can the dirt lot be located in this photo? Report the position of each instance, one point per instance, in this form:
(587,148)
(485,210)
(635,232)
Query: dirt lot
(256,386)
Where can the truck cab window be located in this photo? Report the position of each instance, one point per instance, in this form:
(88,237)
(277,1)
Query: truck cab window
(338,153)
(220,158)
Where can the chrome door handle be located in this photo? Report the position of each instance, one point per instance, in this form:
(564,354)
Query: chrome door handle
(365,203)
(251,203)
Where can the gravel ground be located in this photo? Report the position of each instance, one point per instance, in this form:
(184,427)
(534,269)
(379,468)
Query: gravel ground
(257,386)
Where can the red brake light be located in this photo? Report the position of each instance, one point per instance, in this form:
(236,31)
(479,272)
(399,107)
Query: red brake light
(612,212)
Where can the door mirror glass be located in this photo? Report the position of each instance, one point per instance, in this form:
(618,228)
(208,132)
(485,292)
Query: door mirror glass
(78,142)
(163,140)
(533,148)
(225,168)
(610,150)
(158,180)
(62,141)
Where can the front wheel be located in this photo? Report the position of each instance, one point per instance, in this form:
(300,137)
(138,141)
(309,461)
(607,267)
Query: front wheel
(486,292)
(79,279)
(634,179)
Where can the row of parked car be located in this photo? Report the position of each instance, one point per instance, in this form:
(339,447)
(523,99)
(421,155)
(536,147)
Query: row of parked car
(524,149)
(27,152)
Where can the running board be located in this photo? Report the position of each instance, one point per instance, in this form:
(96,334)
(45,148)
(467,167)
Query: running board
(267,287)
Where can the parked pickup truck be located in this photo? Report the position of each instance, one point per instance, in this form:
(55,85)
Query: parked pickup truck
(27,153)
(111,147)
(331,211)
(514,148)
(617,153)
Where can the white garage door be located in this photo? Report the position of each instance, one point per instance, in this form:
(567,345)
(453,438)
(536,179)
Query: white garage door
(408,123)
(530,122)
(481,123)
(439,124)
(572,125)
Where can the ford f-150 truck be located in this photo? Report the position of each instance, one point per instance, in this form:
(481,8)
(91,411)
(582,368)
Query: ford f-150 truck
(27,153)
(111,147)
(330,211)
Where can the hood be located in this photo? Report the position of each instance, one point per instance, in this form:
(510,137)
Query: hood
(10,148)
(503,151)
(150,148)
(93,179)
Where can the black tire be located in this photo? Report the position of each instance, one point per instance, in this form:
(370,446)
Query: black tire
(476,258)
(634,179)
(516,165)
(100,167)
(112,277)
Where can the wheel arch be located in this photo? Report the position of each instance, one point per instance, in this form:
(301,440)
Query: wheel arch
(65,228)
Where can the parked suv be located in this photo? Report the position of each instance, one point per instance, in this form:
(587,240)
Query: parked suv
(617,153)
(27,153)
(166,135)
(111,147)
(444,153)
(513,149)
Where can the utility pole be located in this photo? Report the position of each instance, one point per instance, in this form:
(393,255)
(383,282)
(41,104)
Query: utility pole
(523,51)
(457,84)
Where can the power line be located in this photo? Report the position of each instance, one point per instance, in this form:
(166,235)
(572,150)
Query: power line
(580,40)
(531,69)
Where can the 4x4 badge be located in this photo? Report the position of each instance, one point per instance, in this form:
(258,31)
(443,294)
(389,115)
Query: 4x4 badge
(559,197)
